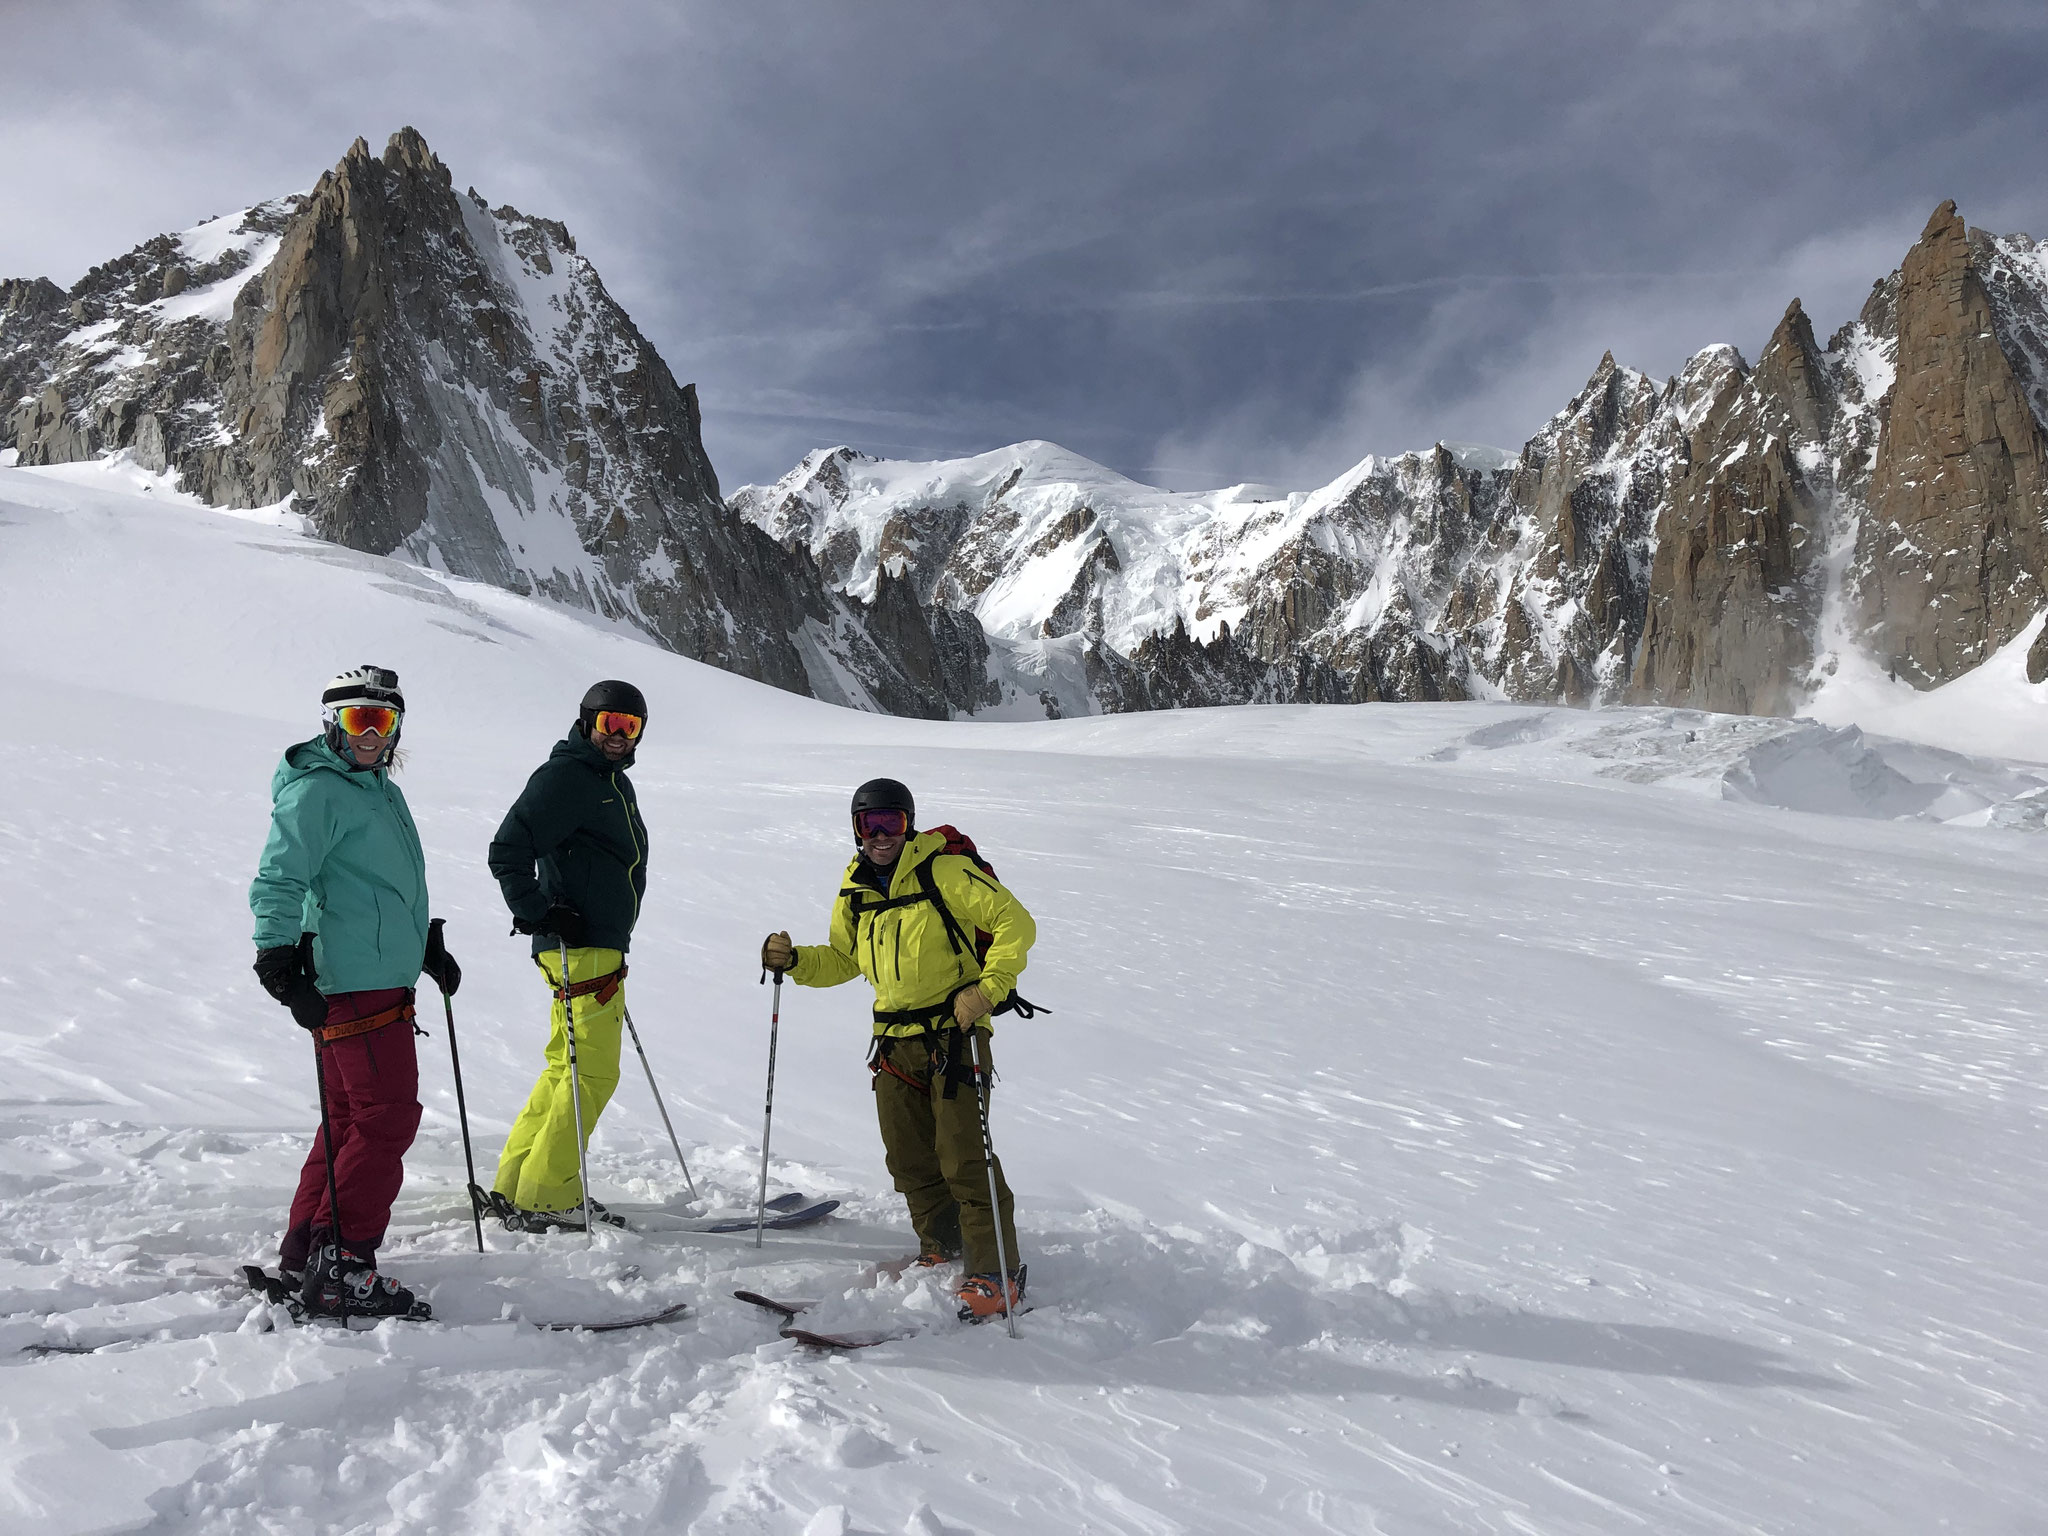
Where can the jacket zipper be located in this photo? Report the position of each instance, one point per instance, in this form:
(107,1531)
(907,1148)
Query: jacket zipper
(634,838)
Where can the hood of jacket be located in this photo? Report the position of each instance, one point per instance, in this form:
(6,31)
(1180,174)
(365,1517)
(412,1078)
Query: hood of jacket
(578,746)
(315,756)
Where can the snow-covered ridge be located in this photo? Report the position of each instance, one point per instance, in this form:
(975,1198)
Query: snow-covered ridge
(1702,541)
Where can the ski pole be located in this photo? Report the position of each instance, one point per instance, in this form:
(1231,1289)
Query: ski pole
(476,1211)
(333,1197)
(988,1157)
(575,1089)
(768,1114)
(659,1103)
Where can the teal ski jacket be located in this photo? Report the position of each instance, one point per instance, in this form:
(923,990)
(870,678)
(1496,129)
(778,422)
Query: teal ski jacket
(343,863)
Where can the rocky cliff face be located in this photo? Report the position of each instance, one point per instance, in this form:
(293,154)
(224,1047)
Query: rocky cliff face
(1723,540)
(1950,559)
(419,374)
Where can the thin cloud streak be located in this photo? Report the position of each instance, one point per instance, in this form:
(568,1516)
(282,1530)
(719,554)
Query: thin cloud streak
(1191,233)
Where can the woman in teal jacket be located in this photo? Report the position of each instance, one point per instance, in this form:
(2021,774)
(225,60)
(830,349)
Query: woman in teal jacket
(342,933)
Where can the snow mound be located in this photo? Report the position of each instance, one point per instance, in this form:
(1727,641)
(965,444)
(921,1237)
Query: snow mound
(1842,772)
(1992,710)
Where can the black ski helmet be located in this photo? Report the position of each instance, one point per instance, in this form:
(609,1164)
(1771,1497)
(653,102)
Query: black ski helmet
(360,685)
(610,694)
(884,794)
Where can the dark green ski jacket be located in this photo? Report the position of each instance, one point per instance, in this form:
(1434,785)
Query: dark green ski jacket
(574,835)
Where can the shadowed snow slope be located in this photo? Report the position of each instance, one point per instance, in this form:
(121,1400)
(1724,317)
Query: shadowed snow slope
(1456,1118)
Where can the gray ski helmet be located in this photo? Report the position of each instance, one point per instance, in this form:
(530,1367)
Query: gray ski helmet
(884,794)
(360,685)
(610,694)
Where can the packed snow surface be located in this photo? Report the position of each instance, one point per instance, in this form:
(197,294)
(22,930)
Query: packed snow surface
(1464,1118)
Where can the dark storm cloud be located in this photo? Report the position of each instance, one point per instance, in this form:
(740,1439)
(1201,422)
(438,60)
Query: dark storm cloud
(1200,242)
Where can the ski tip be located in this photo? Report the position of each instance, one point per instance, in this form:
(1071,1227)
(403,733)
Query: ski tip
(786,1307)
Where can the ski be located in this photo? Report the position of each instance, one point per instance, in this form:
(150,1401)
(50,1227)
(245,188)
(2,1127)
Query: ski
(785,1212)
(274,1289)
(861,1338)
(790,1310)
(667,1314)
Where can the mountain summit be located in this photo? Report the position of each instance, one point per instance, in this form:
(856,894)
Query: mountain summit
(419,374)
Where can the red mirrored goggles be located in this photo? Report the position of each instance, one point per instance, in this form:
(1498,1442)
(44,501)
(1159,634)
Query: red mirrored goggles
(362,719)
(888,821)
(612,722)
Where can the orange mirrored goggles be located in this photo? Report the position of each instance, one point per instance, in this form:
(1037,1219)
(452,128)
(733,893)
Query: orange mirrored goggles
(612,722)
(361,719)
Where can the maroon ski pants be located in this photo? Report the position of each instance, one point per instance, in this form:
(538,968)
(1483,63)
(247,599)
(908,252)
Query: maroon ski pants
(373,1103)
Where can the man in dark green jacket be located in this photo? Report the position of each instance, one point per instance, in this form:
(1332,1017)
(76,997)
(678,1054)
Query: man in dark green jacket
(571,858)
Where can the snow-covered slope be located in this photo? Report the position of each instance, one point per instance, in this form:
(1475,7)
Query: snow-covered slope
(1456,1118)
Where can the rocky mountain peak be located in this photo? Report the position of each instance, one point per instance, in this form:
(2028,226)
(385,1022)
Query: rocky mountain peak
(1793,371)
(415,373)
(1951,559)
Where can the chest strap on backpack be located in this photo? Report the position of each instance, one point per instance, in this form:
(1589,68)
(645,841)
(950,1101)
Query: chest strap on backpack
(332,1032)
(604,988)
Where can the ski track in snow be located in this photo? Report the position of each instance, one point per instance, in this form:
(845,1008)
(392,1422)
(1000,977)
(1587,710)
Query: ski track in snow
(1452,1118)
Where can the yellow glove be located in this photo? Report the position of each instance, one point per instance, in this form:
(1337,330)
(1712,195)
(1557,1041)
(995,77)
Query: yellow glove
(969,1005)
(777,953)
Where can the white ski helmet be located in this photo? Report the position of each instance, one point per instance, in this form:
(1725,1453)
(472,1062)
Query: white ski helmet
(361,685)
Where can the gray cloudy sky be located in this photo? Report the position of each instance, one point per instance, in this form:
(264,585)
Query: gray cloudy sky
(1201,242)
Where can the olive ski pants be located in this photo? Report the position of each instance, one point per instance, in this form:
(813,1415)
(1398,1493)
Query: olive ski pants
(538,1170)
(934,1149)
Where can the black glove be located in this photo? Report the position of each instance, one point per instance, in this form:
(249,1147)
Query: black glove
(279,970)
(566,924)
(438,963)
(286,971)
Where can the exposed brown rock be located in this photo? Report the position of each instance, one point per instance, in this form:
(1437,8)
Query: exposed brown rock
(1734,587)
(1951,555)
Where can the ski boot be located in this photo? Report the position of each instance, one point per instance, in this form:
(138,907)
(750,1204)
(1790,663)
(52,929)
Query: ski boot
(981,1296)
(518,1219)
(340,1284)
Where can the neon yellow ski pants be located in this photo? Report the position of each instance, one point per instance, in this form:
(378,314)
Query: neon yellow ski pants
(538,1170)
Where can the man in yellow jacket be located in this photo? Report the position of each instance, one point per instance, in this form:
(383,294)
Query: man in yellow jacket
(906,918)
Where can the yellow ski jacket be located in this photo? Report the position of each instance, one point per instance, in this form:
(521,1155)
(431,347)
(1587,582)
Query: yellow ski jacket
(904,949)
